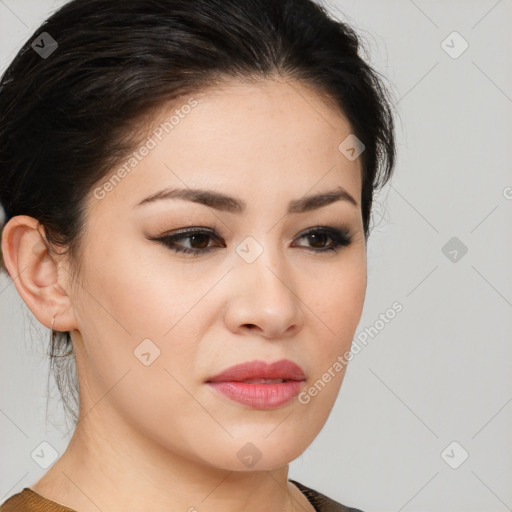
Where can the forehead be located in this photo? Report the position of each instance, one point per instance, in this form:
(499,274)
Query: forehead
(270,133)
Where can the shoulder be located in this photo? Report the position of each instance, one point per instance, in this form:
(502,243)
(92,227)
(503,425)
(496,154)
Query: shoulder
(12,504)
(321,502)
(28,500)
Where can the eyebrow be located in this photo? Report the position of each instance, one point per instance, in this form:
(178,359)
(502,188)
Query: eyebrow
(230,204)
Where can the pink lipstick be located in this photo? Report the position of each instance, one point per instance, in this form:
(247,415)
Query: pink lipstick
(260,385)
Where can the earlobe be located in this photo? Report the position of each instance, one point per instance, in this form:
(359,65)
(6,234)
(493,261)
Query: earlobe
(36,273)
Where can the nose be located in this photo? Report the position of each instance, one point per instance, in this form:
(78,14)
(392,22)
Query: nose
(264,299)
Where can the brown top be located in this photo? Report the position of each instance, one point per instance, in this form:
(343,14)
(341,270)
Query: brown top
(28,500)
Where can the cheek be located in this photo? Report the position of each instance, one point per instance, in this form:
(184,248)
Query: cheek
(126,292)
(131,305)
(339,299)
(337,313)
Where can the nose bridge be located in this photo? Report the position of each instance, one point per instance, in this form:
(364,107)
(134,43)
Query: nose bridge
(263,274)
(265,265)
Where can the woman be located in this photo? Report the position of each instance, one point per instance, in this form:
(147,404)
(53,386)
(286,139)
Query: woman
(187,189)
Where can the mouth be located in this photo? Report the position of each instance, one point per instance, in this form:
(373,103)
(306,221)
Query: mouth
(264,381)
(261,372)
(260,385)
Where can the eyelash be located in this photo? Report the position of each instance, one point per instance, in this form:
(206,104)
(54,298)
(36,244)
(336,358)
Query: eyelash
(341,238)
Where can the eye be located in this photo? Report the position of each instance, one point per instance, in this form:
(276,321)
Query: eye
(199,240)
(319,235)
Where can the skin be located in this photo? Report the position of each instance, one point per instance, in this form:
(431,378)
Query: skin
(157,437)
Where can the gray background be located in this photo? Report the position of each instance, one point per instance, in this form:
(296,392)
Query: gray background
(438,372)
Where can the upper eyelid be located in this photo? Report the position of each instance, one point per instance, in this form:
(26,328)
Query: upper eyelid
(214,233)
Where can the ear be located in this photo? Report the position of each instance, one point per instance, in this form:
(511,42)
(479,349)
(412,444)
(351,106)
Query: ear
(40,278)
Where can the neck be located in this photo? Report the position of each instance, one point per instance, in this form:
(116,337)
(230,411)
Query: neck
(120,469)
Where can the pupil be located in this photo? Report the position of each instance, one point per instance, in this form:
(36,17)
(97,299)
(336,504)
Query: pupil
(318,235)
(203,237)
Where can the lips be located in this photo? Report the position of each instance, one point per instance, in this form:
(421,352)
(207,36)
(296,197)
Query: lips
(260,385)
(261,372)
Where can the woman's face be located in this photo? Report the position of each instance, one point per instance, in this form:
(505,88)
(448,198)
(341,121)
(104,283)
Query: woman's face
(154,325)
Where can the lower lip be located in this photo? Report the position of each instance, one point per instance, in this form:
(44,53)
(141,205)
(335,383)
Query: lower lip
(259,396)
